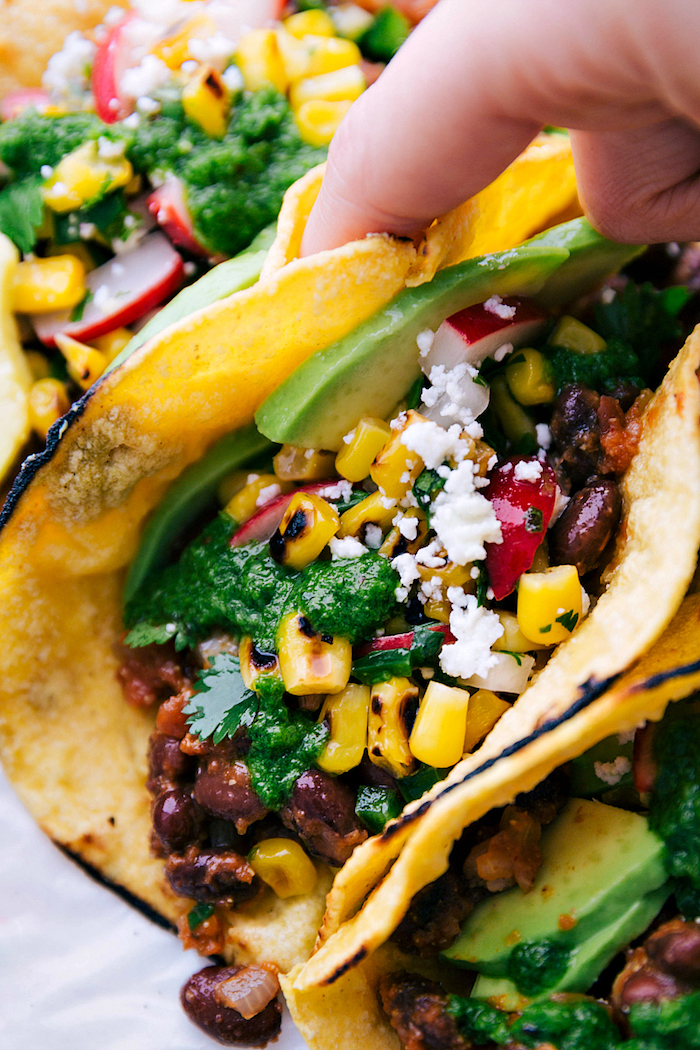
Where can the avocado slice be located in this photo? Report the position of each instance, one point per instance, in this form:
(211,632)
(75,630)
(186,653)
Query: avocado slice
(368,371)
(188,498)
(597,859)
(587,960)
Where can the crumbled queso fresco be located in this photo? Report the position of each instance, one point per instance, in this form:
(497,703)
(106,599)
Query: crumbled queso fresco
(612,772)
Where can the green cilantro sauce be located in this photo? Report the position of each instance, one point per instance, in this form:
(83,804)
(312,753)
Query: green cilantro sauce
(534,966)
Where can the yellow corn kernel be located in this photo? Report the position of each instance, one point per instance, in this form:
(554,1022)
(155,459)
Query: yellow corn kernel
(38,364)
(549,604)
(308,525)
(485,709)
(438,732)
(43,285)
(574,335)
(342,85)
(515,421)
(112,343)
(255,664)
(361,447)
(318,120)
(529,378)
(283,865)
(438,609)
(370,511)
(85,364)
(313,22)
(174,49)
(397,467)
(396,543)
(205,101)
(77,248)
(449,575)
(513,640)
(83,175)
(387,736)
(346,713)
(48,401)
(311,662)
(294,463)
(315,55)
(257,490)
(259,60)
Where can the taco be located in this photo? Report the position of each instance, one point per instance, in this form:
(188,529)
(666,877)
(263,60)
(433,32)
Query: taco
(155,438)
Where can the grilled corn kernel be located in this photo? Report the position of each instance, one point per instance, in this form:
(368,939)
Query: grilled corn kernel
(293,463)
(361,447)
(513,640)
(85,364)
(346,713)
(48,401)
(318,120)
(112,343)
(370,511)
(308,525)
(311,662)
(342,85)
(485,709)
(396,543)
(397,467)
(390,706)
(529,378)
(43,285)
(450,574)
(205,101)
(438,732)
(549,604)
(438,609)
(283,865)
(313,22)
(174,49)
(83,175)
(257,490)
(259,60)
(255,664)
(38,364)
(574,335)
(515,421)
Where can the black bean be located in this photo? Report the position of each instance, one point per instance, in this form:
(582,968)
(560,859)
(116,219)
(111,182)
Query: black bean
(576,431)
(321,810)
(586,526)
(177,819)
(647,985)
(212,876)
(224,790)
(222,1023)
(167,763)
(675,948)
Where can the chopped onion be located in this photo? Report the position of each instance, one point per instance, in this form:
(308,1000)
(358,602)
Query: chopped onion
(509,675)
(249,991)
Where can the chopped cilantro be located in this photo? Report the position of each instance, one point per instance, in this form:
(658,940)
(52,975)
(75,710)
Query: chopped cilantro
(534,966)
(413,395)
(568,620)
(220,699)
(78,310)
(199,914)
(546,630)
(534,520)
(22,212)
(150,634)
(383,664)
(426,487)
(482,586)
(415,785)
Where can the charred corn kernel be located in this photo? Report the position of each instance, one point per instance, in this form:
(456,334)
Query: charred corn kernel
(78,248)
(397,467)
(370,511)
(438,732)
(359,452)
(346,713)
(513,640)
(43,285)
(529,378)
(308,525)
(48,401)
(257,490)
(438,609)
(318,120)
(174,48)
(294,463)
(283,865)
(515,421)
(574,335)
(255,664)
(391,705)
(85,364)
(311,662)
(205,100)
(397,543)
(38,364)
(485,709)
(259,60)
(342,85)
(313,22)
(83,175)
(549,604)
(112,343)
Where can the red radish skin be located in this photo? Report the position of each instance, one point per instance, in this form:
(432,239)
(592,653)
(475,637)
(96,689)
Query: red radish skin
(511,500)
(167,206)
(136,281)
(263,525)
(111,59)
(475,333)
(399,641)
(14,103)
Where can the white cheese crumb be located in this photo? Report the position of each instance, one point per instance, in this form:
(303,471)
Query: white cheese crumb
(626,738)
(373,536)
(87,230)
(463,519)
(425,341)
(270,492)
(407,526)
(67,73)
(612,772)
(148,76)
(559,506)
(146,104)
(109,150)
(432,443)
(189,268)
(405,566)
(454,395)
(527,470)
(607,295)
(233,79)
(216,50)
(399,421)
(347,547)
(475,630)
(132,121)
(46,171)
(544,435)
(386,501)
(495,305)
(503,351)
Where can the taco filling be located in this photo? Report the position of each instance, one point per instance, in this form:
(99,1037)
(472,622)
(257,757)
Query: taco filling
(351,623)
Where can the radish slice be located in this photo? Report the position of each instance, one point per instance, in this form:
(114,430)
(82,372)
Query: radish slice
(125,288)
(479,331)
(507,676)
(17,101)
(111,59)
(167,205)
(398,641)
(263,525)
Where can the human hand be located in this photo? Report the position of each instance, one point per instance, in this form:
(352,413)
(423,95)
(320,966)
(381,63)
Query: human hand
(477,80)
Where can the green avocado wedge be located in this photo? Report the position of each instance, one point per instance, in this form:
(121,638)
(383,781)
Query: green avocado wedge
(188,498)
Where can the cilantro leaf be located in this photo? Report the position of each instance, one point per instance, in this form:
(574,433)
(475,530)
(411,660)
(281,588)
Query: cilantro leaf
(568,619)
(150,634)
(220,701)
(383,664)
(78,310)
(199,914)
(426,487)
(22,212)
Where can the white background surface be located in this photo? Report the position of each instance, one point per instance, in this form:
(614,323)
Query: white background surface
(79,968)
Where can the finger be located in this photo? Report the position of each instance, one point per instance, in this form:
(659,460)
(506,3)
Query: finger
(641,184)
